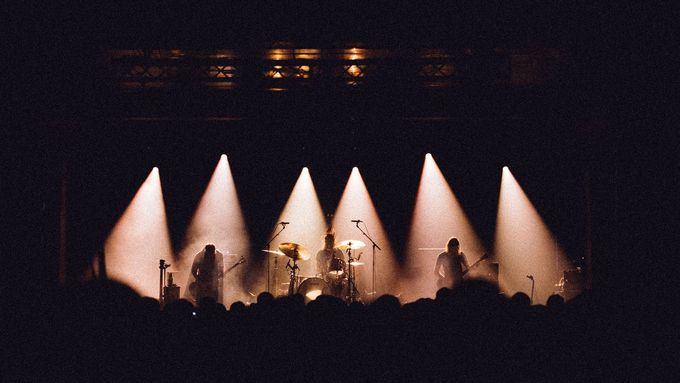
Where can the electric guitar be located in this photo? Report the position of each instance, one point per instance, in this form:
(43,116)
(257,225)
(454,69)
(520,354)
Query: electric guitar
(446,282)
(202,288)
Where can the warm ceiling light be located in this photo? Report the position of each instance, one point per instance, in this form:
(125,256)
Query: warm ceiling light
(355,54)
(354,71)
(307,54)
(278,54)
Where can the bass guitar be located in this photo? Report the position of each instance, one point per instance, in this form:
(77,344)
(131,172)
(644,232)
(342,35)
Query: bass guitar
(200,288)
(446,282)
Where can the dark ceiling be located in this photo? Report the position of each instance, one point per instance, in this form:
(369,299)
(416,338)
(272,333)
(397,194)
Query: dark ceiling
(580,128)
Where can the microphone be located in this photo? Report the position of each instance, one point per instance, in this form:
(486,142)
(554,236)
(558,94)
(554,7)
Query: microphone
(357,220)
(530,277)
(284,223)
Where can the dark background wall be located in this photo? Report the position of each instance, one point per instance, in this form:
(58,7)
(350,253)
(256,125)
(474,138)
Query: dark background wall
(608,113)
(106,165)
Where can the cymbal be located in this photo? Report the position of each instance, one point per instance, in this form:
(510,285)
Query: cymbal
(274,252)
(294,251)
(356,263)
(355,244)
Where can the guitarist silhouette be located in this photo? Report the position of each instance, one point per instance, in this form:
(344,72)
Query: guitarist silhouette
(454,264)
(208,270)
(208,273)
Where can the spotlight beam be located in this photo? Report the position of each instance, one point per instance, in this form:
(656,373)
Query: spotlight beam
(356,203)
(139,239)
(305,224)
(525,245)
(218,220)
(437,216)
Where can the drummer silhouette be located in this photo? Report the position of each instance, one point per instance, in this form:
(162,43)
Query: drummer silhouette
(331,266)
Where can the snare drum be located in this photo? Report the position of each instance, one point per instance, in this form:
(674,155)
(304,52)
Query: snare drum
(336,270)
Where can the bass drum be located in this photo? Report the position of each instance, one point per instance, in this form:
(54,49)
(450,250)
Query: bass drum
(311,288)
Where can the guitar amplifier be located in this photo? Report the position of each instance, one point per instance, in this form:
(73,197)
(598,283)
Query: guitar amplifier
(170,294)
(573,280)
(488,272)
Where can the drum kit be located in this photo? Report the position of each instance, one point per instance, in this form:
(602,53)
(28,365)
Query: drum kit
(339,281)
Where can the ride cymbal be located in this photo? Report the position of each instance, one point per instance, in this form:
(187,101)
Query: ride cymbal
(353,244)
(294,251)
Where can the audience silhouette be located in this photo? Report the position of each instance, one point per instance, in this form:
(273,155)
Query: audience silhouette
(105,331)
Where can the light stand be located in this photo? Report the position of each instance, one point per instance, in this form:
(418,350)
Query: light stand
(374,246)
(276,259)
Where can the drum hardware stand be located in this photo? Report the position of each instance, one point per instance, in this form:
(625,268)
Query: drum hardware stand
(352,293)
(531,298)
(374,246)
(276,259)
(162,266)
(276,276)
(292,286)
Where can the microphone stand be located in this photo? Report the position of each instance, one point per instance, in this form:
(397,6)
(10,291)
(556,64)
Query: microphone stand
(283,226)
(292,286)
(375,245)
(350,276)
(161,283)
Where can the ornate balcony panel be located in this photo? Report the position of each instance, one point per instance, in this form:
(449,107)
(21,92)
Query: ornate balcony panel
(286,67)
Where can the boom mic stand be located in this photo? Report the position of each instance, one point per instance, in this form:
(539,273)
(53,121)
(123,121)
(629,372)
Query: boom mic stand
(374,246)
(276,259)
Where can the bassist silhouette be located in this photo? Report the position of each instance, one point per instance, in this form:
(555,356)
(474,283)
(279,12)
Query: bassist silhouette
(452,265)
(208,272)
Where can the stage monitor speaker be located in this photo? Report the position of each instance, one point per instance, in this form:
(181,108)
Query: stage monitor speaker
(170,294)
(486,272)
(573,280)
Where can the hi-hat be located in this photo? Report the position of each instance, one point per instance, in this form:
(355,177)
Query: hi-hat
(353,244)
(294,251)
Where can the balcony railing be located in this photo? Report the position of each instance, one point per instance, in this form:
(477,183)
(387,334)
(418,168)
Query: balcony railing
(290,67)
